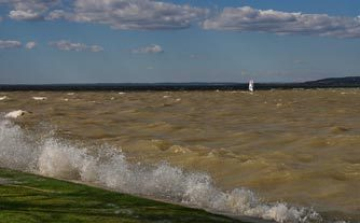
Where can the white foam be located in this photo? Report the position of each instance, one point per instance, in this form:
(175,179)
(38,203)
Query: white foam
(40,98)
(108,167)
(16,114)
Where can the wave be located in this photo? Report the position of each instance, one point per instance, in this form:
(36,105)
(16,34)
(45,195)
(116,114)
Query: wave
(108,167)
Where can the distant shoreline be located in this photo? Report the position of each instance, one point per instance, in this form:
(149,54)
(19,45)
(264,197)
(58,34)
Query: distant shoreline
(342,82)
(172,87)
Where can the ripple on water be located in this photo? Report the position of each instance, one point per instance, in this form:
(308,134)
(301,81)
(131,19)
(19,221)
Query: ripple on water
(304,151)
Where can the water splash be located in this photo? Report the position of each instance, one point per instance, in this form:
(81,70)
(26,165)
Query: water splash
(108,167)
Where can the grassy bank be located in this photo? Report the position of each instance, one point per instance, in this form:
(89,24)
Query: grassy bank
(30,198)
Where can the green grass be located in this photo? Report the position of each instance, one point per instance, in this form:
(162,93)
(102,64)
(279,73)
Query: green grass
(31,198)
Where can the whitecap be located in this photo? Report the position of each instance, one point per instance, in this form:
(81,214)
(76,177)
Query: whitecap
(16,114)
(3,98)
(39,98)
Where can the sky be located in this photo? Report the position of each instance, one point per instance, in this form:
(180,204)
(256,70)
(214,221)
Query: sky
(150,41)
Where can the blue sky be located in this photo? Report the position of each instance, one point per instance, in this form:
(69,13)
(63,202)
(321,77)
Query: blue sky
(98,41)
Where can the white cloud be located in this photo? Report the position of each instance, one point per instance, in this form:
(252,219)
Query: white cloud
(134,14)
(30,45)
(151,49)
(96,48)
(29,10)
(65,45)
(24,15)
(9,44)
(247,19)
(57,14)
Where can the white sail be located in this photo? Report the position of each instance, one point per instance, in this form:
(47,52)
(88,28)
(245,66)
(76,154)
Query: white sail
(251,85)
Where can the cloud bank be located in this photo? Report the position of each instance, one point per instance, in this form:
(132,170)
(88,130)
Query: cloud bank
(9,44)
(131,15)
(160,15)
(65,45)
(247,19)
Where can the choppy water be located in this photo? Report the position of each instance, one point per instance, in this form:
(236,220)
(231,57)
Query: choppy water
(288,156)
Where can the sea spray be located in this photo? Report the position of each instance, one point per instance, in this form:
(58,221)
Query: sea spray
(60,160)
(17,150)
(108,167)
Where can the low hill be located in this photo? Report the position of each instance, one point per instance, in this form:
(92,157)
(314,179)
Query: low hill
(337,81)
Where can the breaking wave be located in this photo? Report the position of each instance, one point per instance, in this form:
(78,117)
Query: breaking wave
(108,167)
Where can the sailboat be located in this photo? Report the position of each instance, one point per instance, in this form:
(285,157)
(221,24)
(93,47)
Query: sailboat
(251,85)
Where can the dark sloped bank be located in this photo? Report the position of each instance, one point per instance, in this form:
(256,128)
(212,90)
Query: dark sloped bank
(30,198)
